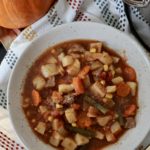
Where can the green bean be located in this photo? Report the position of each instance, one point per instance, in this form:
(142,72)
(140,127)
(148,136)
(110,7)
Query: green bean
(120,117)
(85,132)
(95,104)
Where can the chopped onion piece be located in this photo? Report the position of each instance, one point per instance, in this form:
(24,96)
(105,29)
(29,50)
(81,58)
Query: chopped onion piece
(95,65)
(102,121)
(65,88)
(55,139)
(106,58)
(99,135)
(98,89)
(41,127)
(111,89)
(69,144)
(110,137)
(70,115)
(115,128)
(61,56)
(52,60)
(39,82)
(81,140)
(74,68)
(133,86)
(117,80)
(115,59)
(49,70)
(67,60)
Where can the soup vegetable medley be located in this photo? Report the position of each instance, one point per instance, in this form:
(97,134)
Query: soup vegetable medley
(80,95)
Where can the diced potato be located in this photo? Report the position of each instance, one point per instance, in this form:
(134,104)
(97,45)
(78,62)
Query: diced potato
(95,65)
(98,89)
(69,144)
(52,60)
(105,67)
(133,86)
(58,106)
(87,81)
(67,60)
(55,139)
(93,50)
(42,109)
(49,70)
(109,96)
(56,124)
(65,88)
(39,82)
(102,121)
(70,115)
(106,58)
(118,70)
(110,137)
(117,80)
(115,59)
(74,124)
(115,127)
(97,46)
(74,68)
(99,135)
(61,56)
(111,89)
(81,140)
(40,128)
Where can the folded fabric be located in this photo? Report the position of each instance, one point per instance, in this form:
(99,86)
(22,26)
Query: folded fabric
(109,12)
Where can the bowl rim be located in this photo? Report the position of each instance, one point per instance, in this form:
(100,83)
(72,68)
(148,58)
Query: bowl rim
(131,37)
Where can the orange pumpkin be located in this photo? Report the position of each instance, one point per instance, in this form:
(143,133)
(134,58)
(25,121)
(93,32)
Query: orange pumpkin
(21,13)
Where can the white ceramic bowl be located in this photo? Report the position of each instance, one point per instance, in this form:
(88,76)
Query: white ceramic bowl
(115,39)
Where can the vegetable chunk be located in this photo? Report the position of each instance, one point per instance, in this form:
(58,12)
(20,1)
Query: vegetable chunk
(69,144)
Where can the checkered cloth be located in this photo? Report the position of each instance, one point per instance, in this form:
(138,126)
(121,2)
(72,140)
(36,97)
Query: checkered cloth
(109,12)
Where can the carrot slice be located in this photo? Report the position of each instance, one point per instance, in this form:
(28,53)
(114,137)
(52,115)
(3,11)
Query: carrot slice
(36,97)
(77,83)
(84,72)
(84,121)
(129,74)
(123,89)
(130,110)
